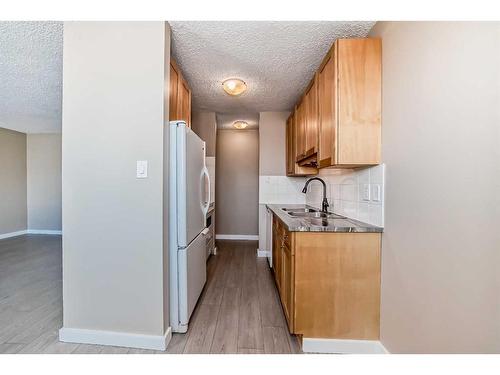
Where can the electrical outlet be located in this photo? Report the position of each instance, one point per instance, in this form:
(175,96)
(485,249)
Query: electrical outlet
(376,193)
(365,192)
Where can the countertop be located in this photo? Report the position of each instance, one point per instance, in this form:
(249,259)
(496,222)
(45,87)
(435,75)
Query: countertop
(337,224)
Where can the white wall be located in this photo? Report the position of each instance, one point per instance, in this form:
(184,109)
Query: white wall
(272,134)
(114,110)
(204,124)
(44,182)
(13,207)
(440,144)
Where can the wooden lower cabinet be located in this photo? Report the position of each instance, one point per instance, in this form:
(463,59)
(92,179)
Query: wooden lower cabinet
(283,268)
(287,284)
(277,253)
(329,283)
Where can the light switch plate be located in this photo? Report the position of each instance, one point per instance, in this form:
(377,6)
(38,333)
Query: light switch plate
(376,193)
(365,192)
(142,169)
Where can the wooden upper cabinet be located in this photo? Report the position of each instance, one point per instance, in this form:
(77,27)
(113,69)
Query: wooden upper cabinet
(179,96)
(184,101)
(327,92)
(350,96)
(338,118)
(311,118)
(173,93)
(292,168)
(290,146)
(359,101)
(299,131)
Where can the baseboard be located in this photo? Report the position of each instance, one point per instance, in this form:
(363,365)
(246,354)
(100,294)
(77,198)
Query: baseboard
(241,237)
(129,340)
(262,253)
(29,231)
(313,345)
(44,231)
(13,234)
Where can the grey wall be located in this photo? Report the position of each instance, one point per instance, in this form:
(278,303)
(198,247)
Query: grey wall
(44,181)
(272,153)
(237,181)
(272,158)
(113,115)
(205,125)
(441,136)
(13,206)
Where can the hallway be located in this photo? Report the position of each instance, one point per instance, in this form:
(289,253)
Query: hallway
(238,312)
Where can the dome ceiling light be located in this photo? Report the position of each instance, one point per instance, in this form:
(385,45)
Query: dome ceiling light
(240,124)
(234,86)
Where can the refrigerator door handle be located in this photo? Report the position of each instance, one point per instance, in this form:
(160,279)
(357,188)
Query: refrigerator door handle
(206,204)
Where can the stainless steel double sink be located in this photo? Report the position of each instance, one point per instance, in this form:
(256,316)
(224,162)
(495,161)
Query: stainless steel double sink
(313,217)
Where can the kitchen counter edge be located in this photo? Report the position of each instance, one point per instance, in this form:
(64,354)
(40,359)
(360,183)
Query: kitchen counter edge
(301,225)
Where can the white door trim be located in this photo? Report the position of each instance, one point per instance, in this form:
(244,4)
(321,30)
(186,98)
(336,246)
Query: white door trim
(129,340)
(314,345)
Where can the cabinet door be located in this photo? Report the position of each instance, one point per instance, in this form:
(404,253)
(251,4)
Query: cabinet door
(287,284)
(293,169)
(173,91)
(290,152)
(300,131)
(327,95)
(311,122)
(277,250)
(359,102)
(184,101)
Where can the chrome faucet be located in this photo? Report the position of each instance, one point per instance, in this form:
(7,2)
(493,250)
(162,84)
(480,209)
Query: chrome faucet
(324,203)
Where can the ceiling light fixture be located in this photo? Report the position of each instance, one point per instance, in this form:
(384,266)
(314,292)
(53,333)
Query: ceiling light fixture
(240,124)
(234,86)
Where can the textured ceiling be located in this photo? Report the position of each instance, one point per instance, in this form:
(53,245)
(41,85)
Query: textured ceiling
(275,59)
(31,76)
(226,120)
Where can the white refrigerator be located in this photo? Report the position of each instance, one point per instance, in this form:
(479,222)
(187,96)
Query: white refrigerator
(189,199)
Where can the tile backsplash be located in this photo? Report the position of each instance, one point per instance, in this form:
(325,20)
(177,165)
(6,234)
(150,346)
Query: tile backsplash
(281,190)
(358,194)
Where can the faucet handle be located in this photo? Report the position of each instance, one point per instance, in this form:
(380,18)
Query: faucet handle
(324,205)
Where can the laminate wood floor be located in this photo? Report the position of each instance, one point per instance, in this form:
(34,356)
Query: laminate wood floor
(238,312)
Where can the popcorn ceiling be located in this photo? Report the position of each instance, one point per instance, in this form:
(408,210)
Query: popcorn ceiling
(31,76)
(276,59)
